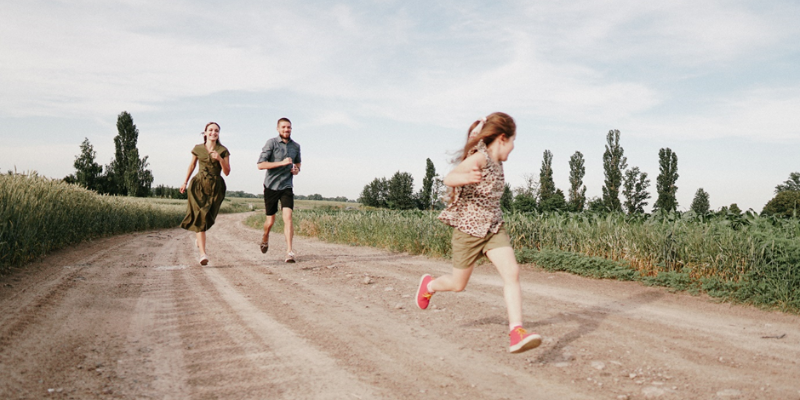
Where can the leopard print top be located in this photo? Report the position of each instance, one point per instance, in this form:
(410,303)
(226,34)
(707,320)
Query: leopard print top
(475,209)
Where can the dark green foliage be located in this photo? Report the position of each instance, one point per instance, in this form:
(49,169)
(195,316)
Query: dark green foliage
(87,171)
(239,193)
(785,204)
(555,202)
(375,193)
(635,191)
(595,267)
(614,162)
(577,190)
(507,199)
(547,187)
(700,203)
(425,197)
(524,203)
(167,192)
(400,195)
(665,183)
(596,205)
(127,174)
(793,183)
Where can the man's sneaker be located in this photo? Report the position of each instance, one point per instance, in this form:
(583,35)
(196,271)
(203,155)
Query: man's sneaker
(264,243)
(289,257)
(423,295)
(521,340)
(203,260)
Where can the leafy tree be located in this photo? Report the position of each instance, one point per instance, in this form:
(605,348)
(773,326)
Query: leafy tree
(438,193)
(596,205)
(635,190)
(507,199)
(665,183)
(555,202)
(700,204)
(127,174)
(400,195)
(87,171)
(524,203)
(734,209)
(793,183)
(547,187)
(425,196)
(375,193)
(577,190)
(525,195)
(614,162)
(785,204)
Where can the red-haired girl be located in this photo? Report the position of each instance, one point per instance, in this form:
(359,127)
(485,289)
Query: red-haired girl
(477,184)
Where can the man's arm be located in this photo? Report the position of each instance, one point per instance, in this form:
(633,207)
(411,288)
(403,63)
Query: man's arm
(274,164)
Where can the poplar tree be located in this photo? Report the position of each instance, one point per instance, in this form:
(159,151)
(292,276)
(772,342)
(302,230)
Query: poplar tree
(635,191)
(425,196)
(577,190)
(665,183)
(614,162)
(127,172)
(547,187)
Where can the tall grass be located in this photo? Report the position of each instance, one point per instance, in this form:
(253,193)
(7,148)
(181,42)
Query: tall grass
(746,258)
(39,215)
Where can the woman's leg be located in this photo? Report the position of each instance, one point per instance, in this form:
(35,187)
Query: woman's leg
(506,264)
(201,243)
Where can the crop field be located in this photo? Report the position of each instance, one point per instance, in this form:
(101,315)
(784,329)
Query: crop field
(39,215)
(746,258)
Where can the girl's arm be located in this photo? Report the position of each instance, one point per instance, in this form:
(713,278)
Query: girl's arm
(466,172)
(192,164)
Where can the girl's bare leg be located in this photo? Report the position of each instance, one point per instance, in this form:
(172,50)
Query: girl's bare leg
(506,264)
(454,282)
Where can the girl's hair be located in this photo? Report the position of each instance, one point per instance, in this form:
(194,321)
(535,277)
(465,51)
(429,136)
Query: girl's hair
(494,125)
(206,128)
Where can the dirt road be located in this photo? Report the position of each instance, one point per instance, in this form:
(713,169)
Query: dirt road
(135,317)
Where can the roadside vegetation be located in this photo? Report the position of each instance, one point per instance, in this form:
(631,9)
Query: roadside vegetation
(39,215)
(736,257)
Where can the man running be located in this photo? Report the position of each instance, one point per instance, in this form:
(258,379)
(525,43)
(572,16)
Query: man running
(281,158)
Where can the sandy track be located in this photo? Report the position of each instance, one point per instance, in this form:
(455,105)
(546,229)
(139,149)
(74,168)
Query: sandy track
(134,316)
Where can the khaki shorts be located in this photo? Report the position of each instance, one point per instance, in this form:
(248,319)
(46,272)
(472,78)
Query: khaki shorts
(468,249)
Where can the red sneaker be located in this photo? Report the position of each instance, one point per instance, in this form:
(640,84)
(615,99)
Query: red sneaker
(423,295)
(521,340)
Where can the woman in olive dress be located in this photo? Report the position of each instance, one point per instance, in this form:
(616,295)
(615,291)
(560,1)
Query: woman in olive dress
(207,189)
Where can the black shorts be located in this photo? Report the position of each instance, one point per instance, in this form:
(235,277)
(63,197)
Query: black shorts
(271,197)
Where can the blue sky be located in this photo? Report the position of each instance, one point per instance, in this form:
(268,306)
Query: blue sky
(376,87)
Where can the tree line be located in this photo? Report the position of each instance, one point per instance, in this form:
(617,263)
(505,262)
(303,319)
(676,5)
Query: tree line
(125,175)
(542,195)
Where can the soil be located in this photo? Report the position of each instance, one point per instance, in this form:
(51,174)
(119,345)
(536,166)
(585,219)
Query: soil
(136,317)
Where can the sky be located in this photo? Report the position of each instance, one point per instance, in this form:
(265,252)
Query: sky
(377,87)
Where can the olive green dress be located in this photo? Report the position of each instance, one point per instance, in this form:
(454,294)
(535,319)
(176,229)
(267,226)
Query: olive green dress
(206,190)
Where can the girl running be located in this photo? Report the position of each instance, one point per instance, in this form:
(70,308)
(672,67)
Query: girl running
(477,184)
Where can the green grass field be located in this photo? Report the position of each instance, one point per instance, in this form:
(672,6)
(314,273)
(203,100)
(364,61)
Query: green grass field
(748,259)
